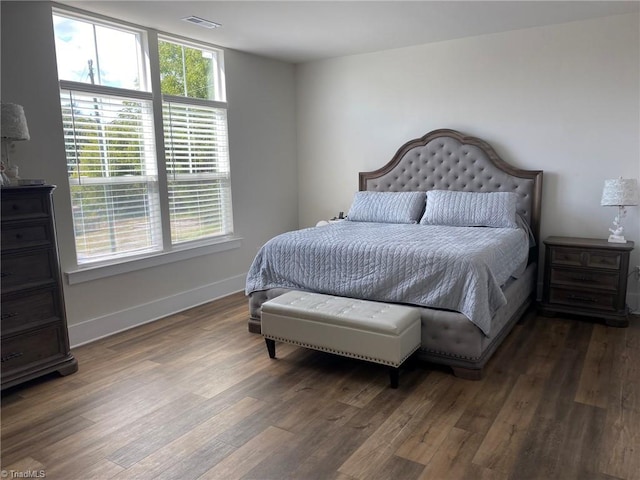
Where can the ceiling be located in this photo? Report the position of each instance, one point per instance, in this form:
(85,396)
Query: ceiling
(302,31)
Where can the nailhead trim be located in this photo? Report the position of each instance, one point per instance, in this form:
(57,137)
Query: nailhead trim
(343,353)
(449,354)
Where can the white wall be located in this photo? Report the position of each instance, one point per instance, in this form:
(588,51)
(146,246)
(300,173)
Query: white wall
(263,170)
(564,99)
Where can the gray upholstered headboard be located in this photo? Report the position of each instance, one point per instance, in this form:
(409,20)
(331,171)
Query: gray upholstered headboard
(448,160)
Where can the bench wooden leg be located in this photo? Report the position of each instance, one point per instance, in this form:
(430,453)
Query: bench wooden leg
(271,347)
(394,377)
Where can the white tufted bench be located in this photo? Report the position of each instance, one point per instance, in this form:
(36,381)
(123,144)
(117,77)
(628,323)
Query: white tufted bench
(377,332)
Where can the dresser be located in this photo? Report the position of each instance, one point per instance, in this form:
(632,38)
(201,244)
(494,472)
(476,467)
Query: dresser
(587,276)
(33,324)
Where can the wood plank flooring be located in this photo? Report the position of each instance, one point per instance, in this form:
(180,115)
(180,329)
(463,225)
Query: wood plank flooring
(195,396)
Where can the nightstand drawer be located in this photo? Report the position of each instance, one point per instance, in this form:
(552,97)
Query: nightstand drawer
(580,298)
(30,347)
(28,308)
(603,260)
(27,269)
(566,256)
(585,278)
(579,258)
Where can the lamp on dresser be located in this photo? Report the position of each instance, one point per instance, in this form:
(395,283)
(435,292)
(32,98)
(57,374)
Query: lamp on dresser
(619,192)
(13,125)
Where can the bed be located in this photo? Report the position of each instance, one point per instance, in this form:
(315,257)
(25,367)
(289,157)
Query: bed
(453,256)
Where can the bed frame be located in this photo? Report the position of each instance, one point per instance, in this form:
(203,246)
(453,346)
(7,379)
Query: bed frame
(448,160)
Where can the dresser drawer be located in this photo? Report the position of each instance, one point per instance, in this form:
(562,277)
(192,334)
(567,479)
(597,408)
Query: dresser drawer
(583,299)
(40,345)
(29,205)
(29,308)
(27,269)
(585,278)
(579,258)
(17,236)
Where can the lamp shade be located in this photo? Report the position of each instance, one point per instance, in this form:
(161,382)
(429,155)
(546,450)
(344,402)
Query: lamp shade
(620,191)
(13,122)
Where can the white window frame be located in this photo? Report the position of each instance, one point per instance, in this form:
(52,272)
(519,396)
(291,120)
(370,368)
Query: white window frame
(170,252)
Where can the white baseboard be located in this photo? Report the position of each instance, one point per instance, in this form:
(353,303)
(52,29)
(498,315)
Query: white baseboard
(106,325)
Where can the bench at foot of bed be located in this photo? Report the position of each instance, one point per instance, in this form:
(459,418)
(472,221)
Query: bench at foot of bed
(372,331)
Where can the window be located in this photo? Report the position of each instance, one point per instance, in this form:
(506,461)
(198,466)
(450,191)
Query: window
(135,192)
(110,152)
(195,139)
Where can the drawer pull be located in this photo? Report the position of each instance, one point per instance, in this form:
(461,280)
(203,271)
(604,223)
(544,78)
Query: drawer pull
(583,298)
(11,356)
(9,315)
(584,278)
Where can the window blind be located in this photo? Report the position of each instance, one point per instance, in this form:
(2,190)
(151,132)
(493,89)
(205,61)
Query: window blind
(110,151)
(127,201)
(197,163)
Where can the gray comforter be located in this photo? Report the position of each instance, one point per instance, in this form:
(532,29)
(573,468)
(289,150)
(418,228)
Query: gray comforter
(454,268)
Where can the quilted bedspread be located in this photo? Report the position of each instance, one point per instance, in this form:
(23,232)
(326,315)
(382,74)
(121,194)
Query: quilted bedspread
(454,268)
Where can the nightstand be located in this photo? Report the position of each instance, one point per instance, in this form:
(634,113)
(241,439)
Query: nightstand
(587,276)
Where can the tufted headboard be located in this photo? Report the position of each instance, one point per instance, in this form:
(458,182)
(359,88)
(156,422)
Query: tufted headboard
(448,160)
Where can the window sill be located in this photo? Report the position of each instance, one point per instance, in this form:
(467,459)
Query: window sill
(90,273)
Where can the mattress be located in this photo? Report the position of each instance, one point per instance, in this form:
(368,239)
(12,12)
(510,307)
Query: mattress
(453,268)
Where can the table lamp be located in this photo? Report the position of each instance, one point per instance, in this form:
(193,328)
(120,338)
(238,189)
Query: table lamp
(619,192)
(13,126)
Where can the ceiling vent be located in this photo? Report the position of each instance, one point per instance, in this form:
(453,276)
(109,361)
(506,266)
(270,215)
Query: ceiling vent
(201,22)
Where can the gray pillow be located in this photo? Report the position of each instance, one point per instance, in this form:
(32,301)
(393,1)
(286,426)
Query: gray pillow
(387,207)
(470,209)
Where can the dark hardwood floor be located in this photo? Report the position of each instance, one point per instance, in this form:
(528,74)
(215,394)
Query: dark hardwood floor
(196,396)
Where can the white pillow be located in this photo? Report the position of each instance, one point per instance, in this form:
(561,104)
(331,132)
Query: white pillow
(470,209)
(387,207)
